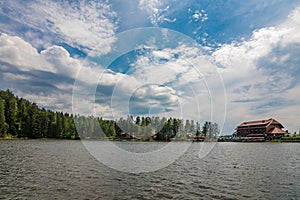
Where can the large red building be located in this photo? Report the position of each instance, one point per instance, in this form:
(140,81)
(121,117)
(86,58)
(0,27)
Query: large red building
(269,129)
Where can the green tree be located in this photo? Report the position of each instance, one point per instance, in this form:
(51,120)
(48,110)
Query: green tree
(138,120)
(44,121)
(176,126)
(11,113)
(59,125)
(214,131)
(205,128)
(51,130)
(22,116)
(34,122)
(3,125)
(210,130)
(187,127)
(198,131)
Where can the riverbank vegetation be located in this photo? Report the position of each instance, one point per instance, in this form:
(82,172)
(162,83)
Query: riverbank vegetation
(289,138)
(20,118)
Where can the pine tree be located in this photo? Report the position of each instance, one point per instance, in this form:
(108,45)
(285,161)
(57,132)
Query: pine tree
(205,128)
(22,116)
(3,125)
(44,123)
(33,122)
(11,112)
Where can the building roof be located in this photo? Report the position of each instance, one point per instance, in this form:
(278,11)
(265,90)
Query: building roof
(265,123)
(276,130)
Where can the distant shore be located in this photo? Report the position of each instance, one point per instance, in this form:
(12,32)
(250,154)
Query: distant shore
(283,140)
(260,139)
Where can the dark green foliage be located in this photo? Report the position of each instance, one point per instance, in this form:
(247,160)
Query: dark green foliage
(210,130)
(23,119)
(3,125)
(11,109)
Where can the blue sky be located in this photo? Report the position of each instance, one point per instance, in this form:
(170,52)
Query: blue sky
(226,61)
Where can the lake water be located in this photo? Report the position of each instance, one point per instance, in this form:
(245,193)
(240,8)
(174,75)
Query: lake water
(62,169)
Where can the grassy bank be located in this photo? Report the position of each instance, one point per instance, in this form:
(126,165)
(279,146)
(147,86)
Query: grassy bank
(287,139)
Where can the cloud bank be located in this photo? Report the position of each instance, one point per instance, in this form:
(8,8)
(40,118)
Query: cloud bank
(84,24)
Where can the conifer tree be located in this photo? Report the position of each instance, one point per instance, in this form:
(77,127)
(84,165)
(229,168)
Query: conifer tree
(3,125)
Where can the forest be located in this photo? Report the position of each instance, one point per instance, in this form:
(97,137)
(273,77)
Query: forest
(20,118)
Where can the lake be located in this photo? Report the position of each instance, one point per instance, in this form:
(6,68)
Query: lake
(64,169)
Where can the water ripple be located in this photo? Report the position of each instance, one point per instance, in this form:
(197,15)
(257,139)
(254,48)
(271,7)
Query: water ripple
(62,169)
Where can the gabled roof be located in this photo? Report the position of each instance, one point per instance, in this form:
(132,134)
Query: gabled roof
(265,123)
(276,130)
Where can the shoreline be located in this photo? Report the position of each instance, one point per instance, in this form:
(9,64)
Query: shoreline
(122,140)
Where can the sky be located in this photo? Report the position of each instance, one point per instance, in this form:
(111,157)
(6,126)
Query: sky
(222,61)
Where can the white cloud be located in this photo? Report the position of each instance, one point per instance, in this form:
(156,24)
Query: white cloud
(251,82)
(262,43)
(201,16)
(152,98)
(191,76)
(162,66)
(156,10)
(10,76)
(85,25)
(162,55)
(290,116)
(57,100)
(57,61)
(15,51)
(61,60)
(54,72)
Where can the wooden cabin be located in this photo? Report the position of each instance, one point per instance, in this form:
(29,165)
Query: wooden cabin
(269,129)
(128,136)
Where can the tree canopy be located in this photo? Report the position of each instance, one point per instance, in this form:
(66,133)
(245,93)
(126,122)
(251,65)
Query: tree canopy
(22,119)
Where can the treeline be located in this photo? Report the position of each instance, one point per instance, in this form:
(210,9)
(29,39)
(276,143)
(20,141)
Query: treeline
(23,119)
(139,127)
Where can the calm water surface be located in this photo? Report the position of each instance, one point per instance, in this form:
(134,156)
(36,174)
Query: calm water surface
(61,169)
